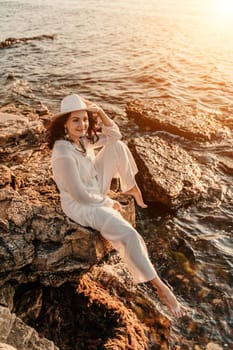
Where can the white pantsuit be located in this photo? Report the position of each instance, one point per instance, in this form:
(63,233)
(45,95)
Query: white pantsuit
(84,180)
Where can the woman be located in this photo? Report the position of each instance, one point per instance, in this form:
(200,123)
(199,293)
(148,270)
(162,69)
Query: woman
(83,177)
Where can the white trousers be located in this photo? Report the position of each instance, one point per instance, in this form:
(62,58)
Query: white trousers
(116,158)
(112,159)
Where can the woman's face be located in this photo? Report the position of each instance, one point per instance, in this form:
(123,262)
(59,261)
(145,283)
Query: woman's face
(77,124)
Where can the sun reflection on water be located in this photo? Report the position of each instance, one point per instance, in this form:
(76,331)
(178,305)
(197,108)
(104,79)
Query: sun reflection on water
(211,32)
(223,8)
(220,14)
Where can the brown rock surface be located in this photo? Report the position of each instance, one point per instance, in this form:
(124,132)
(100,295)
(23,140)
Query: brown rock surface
(16,333)
(104,312)
(168,174)
(186,121)
(36,233)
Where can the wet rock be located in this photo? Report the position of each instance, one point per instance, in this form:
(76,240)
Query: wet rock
(184,121)
(14,332)
(116,280)
(168,174)
(128,331)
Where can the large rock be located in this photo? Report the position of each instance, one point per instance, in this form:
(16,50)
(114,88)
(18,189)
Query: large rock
(182,120)
(34,232)
(168,174)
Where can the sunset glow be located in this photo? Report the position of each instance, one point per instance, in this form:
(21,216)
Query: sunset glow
(224,8)
(221,11)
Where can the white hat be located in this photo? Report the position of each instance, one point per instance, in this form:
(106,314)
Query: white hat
(71,103)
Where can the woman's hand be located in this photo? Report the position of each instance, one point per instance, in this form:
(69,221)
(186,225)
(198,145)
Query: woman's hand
(98,112)
(117,206)
(92,107)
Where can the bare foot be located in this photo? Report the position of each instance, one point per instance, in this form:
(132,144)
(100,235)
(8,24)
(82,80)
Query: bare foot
(169,299)
(136,193)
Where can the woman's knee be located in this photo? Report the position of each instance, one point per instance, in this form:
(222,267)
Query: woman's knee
(121,149)
(117,144)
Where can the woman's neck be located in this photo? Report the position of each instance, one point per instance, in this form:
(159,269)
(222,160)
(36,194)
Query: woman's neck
(75,140)
(79,145)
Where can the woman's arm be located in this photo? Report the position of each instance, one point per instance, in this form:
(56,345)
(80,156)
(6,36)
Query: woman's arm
(110,130)
(108,135)
(104,117)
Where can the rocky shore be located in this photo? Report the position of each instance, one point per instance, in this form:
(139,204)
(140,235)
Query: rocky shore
(62,286)
(9,42)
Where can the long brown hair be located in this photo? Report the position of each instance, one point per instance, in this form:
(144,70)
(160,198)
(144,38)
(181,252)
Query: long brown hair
(56,129)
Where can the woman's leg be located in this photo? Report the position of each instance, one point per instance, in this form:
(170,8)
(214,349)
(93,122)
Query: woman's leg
(116,158)
(126,240)
(168,298)
(132,249)
(136,193)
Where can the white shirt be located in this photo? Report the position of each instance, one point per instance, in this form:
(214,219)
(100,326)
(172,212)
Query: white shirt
(75,174)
